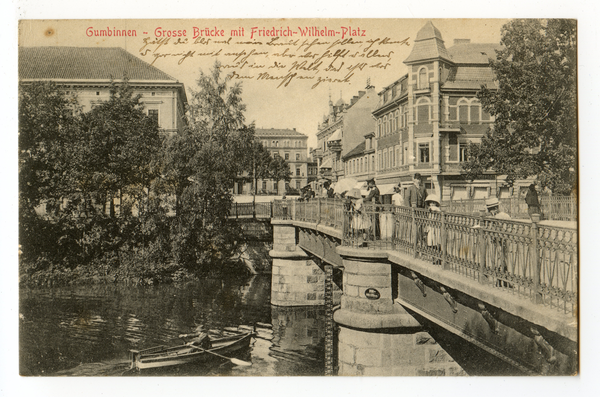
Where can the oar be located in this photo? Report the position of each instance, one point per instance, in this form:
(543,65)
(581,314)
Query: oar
(233,360)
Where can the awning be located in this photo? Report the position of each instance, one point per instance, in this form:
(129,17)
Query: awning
(387,189)
(326,164)
(337,135)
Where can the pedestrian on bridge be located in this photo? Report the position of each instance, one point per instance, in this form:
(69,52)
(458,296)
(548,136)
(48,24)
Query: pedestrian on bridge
(533,203)
(374,199)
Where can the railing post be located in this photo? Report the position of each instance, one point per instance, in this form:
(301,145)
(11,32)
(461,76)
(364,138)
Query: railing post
(319,210)
(481,244)
(415,232)
(535,263)
(236,211)
(445,265)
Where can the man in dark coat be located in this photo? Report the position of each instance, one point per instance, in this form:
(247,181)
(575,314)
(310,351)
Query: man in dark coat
(533,203)
(416,194)
(374,199)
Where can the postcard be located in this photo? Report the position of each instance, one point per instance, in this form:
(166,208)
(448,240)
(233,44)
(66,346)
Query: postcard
(298,197)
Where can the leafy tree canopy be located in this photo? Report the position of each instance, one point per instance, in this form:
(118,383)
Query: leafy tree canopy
(535,106)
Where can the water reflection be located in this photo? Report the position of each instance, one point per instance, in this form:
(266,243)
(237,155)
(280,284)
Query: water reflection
(87,331)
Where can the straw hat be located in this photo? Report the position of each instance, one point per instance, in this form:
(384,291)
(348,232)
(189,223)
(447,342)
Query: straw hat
(433,197)
(492,202)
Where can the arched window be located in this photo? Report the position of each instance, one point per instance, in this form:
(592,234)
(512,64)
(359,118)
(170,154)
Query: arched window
(385,125)
(423,78)
(378,128)
(396,120)
(463,111)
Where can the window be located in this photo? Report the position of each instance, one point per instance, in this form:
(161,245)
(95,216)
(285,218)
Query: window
(463,111)
(393,91)
(405,156)
(475,108)
(298,171)
(153,114)
(423,79)
(297,156)
(378,128)
(385,126)
(396,121)
(424,152)
(462,156)
(398,152)
(297,184)
(385,97)
(287,156)
(264,185)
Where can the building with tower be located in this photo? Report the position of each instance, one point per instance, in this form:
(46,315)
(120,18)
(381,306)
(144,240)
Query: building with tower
(426,119)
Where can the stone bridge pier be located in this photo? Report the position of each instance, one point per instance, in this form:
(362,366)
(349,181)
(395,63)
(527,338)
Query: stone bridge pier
(377,337)
(296,279)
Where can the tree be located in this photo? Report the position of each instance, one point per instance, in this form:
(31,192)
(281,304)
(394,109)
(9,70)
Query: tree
(279,170)
(116,154)
(201,165)
(256,164)
(47,121)
(535,106)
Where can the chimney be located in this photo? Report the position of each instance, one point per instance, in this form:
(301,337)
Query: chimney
(462,41)
(294,128)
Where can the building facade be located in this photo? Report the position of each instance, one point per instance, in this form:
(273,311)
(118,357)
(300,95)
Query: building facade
(426,119)
(290,145)
(87,74)
(342,129)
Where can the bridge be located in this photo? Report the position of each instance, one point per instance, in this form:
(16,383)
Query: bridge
(507,287)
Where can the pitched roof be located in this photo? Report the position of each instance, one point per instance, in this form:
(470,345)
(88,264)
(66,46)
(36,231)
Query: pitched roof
(85,63)
(358,150)
(428,45)
(275,132)
(428,31)
(470,77)
(473,53)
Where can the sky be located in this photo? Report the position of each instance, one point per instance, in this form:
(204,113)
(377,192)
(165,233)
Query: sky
(296,106)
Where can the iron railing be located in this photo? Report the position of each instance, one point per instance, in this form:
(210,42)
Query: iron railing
(563,208)
(256,210)
(522,257)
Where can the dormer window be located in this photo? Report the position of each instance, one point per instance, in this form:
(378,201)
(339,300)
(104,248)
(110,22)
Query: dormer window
(385,97)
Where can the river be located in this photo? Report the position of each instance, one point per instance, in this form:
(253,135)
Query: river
(88,330)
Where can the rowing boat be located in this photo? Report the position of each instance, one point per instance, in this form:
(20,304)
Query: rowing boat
(221,343)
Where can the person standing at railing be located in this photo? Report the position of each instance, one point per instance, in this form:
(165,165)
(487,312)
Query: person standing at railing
(493,208)
(415,198)
(416,194)
(533,203)
(397,198)
(374,199)
(434,241)
(329,189)
(499,243)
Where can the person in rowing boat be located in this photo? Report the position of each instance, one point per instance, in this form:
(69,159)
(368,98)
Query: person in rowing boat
(202,341)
